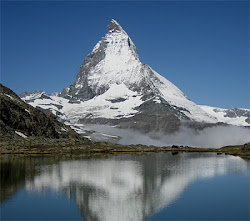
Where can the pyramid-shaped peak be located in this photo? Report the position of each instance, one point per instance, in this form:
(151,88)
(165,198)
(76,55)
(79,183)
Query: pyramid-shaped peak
(114,26)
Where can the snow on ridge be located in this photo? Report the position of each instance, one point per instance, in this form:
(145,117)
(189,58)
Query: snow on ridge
(9,96)
(176,97)
(32,95)
(121,65)
(104,105)
(221,115)
(121,62)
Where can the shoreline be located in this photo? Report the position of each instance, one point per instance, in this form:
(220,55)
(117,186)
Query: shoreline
(94,148)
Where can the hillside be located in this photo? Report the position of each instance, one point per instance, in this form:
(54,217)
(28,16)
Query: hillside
(19,120)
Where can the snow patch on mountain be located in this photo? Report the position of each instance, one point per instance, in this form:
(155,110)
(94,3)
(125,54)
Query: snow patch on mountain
(177,98)
(237,116)
(20,134)
(31,95)
(117,102)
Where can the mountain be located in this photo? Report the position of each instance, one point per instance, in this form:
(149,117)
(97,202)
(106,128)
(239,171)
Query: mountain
(20,120)
(113,87)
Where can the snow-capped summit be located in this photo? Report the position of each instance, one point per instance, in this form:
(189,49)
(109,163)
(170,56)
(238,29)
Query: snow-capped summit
(114,87)
(114,61)
(113,26)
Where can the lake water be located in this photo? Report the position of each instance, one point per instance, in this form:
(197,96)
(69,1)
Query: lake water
(161,186)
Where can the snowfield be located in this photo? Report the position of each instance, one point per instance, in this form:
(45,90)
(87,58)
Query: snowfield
(221,115)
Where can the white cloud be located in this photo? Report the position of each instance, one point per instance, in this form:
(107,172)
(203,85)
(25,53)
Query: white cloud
(212,137)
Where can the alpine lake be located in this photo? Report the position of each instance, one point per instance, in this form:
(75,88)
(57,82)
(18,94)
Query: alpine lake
(148,186)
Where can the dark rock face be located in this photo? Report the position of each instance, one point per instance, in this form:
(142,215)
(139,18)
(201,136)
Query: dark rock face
(16,115)
(151,117)
(86,92)
(113,26)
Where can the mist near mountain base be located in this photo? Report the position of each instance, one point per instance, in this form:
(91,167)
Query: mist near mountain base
(211,137)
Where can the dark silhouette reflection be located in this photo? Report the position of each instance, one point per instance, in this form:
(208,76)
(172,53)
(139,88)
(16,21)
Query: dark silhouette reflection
(125,187)
(16,171)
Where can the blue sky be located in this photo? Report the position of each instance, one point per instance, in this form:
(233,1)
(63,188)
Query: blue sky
(200,46)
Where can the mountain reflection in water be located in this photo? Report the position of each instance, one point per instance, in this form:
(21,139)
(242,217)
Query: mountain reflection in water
(129,187)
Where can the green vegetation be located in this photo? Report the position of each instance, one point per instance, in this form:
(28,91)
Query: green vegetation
(62,146)
(239,150)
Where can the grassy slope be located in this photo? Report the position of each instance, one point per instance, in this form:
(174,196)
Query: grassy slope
(41,145)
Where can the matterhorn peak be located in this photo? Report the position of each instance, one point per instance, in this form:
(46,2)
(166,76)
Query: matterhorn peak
(114,26)
(112,83)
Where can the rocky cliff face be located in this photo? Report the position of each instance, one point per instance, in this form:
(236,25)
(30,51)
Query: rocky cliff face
(20,120)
